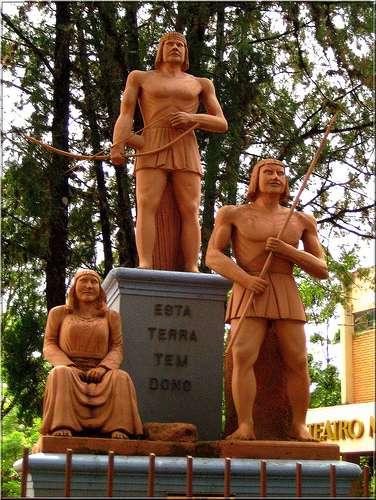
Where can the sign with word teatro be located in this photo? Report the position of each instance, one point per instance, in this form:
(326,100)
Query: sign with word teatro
(351,426)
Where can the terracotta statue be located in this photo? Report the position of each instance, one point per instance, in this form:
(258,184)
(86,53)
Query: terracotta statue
(251,229)
(85,390)
(169,99)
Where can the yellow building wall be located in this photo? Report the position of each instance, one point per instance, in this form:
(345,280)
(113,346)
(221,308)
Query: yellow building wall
(363,362)
(358,350)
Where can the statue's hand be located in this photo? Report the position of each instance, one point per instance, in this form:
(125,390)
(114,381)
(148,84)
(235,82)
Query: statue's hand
(277,246)
(182,120)
(79,372)
(256,285)
(117,155)
(117,150)
(95,374)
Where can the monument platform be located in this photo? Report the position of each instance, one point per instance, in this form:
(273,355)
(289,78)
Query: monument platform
(46,476)
(292,450)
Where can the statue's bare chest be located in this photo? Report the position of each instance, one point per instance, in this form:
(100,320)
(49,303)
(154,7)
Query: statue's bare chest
(184,89)
(258,227)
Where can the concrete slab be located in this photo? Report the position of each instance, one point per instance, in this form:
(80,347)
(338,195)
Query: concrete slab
(209,449)
(89,477)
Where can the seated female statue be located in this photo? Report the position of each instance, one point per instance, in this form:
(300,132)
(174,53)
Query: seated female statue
(86,390)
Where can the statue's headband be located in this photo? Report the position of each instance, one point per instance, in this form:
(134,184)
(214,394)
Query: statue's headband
(268,161)
(84,272)
(173,34)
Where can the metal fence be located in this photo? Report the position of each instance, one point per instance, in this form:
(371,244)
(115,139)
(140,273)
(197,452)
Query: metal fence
(151,477)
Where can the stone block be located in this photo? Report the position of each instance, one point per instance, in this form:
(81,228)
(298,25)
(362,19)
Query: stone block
(177,431)
(173,328)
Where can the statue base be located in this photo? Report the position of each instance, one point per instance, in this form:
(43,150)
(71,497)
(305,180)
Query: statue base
(172,324)
(210,449)
(89,475)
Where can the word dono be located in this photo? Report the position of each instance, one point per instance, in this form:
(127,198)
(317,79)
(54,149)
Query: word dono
(166,384)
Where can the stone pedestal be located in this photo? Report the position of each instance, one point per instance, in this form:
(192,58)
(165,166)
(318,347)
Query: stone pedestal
(89,476)
(173,326)
(206,449)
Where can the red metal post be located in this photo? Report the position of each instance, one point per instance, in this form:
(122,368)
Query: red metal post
(189,488)
(110,473)
(151,474)
(227,478)
(365,481)
(263,487)
(298,479)
(25,471)
(333,480)
(68,473)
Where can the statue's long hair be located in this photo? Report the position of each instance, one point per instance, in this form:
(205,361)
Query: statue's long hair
(159,56)
(71,304)
(253,188)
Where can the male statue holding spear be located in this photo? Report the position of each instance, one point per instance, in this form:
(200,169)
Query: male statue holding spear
(254,230)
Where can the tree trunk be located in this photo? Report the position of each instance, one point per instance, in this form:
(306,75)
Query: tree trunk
(194,16)
(58,182)
(104,210)
(213,155)
(237,116)
(113,69)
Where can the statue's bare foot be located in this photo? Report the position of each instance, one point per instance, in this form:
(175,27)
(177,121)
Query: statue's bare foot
(242,433)
(144,267)
(62,432)
(119,435)
(301,433)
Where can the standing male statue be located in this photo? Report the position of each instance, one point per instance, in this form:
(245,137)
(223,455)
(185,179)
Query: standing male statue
(169,99)
(252,229)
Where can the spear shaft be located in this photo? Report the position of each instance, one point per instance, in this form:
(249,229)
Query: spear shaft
(268,260)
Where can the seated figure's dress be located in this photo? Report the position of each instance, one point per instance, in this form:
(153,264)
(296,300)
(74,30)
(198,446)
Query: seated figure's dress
(69,403)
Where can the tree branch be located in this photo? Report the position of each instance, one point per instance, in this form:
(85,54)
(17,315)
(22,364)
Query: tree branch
(345,211)
(276,37)
(11,84)
(315,130)
(28,42)
(6,409)
(348,230)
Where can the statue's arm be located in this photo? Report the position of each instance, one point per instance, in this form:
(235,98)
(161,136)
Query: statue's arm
(213,121)
(217,260)
(123,133)
(114,356)
(311,259)
(51,349)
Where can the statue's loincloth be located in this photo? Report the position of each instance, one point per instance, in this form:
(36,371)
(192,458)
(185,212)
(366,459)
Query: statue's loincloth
(280,300)
(181,156)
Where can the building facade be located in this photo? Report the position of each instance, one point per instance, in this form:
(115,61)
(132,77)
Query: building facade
(352,424)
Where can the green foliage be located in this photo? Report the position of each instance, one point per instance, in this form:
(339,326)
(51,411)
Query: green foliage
(326,383)
(22,368)
(321,297)
(22,337)
(15,437)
